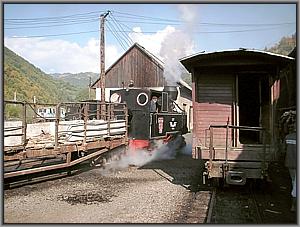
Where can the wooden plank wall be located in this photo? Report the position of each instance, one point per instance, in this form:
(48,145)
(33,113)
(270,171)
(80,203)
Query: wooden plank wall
(136,66)
(213,106)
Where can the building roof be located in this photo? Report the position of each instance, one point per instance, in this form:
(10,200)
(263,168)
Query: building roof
(240,54)
(141,48)
(184,84)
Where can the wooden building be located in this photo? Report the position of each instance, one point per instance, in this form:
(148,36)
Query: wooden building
(234,108)
(137,65)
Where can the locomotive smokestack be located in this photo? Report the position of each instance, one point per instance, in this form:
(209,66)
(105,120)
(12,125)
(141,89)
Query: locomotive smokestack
(172,92)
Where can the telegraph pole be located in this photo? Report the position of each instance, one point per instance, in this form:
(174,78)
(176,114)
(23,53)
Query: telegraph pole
(102,56)
(102,64)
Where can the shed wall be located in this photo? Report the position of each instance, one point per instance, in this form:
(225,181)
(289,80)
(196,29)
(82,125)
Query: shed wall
(136,66)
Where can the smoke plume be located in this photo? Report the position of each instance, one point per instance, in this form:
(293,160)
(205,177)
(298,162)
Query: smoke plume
(179,43)
(170,44)
(175,46)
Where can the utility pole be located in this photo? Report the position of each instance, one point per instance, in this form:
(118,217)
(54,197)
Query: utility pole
(102,63)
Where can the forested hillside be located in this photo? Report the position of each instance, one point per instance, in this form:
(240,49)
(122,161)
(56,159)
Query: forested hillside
(284,46)
(27,81)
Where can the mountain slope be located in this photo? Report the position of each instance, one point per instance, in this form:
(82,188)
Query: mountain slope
(81,80)
(27,80)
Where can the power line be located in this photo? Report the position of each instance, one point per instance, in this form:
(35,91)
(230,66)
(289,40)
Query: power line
(145,20)
(206,24)
(119,22)
(49,18)
(116,36)
(138,17)
(144,32)
(49,35)
(50,21)
(125,35)
(55,25)
(121,32)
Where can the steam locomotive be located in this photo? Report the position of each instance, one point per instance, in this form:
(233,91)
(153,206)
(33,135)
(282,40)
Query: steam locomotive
(166,122)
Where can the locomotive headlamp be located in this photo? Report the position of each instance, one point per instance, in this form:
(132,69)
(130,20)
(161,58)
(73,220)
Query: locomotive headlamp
(115,97)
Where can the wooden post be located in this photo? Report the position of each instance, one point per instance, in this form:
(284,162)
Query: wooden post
(126,123)
(24,125)
(211,147)
(237,111)
(102,63)
(108,118)
(57,116)
(226,143)
(85,119)
(35,110)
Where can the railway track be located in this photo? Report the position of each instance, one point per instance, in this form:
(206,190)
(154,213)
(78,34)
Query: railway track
(198,208)
(236,205)
(221,206)
(252,203)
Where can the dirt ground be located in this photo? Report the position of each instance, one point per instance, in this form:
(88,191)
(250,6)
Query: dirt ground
(153,193)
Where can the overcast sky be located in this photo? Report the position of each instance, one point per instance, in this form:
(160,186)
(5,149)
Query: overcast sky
(62,38)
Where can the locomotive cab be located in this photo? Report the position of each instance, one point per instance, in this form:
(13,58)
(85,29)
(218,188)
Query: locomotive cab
(147,124)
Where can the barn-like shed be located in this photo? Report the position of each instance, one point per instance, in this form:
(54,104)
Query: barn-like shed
(136,64)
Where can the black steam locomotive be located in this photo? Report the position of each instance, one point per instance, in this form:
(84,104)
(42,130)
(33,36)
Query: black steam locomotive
(148,120)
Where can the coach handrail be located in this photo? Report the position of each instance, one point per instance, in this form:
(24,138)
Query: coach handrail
(227,126)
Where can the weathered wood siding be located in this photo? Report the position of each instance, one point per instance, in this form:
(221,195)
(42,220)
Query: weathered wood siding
(135,65)
(213,103)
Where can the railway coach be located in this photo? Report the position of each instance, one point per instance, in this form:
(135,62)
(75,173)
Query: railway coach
(235,93)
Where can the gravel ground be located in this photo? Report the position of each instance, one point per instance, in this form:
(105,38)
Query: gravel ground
(153,193)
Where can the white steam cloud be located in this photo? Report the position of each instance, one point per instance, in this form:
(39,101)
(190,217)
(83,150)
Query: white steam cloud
(171,44)
(189,13)
(175,46)
(142,157)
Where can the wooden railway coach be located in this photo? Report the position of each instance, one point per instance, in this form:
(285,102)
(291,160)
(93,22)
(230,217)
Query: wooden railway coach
(234,98)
